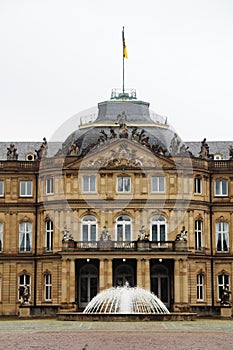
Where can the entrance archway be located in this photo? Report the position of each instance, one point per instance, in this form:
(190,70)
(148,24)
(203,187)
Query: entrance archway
(88,284)
(160,283)
(124,273)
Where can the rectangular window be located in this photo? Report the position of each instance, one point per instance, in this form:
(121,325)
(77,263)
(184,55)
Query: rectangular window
(25,237)
(25,188)
(198,235)
(222,236)
(1,226)
(221,188)
(197,185)
(200,287)
(49,185)
(89,183)
(48,287)
(158,184)
(123,184)
(1,188)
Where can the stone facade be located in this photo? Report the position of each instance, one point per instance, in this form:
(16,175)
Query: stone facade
(53,211)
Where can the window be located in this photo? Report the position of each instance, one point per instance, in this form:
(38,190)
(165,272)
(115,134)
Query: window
(89,184)
(89,228)
(158,184)
(158,228)
(221,188)
(123,228)
(24,287)
(25,188)
(223,282)
(222,236)
(25,236)
(1,188)
(49,235)
(1,228)
(198,235)
(200,287)
(48,287)
(198,185)
(49,185)
(123,184)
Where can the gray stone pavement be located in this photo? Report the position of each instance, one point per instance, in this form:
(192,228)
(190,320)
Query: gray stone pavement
(51,334)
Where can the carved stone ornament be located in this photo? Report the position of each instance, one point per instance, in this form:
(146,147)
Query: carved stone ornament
(123,155)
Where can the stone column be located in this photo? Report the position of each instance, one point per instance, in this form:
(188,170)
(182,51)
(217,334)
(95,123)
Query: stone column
(139,272)
(68,283)
(109,273)
(147,274)
(101,275)
(176,283)
(184,274)
(180,285)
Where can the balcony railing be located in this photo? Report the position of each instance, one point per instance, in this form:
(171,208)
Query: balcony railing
(124,245)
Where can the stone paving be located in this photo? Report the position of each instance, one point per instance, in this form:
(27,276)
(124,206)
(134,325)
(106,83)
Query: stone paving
(70,335)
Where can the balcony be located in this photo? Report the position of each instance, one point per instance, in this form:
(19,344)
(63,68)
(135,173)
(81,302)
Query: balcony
(116,246)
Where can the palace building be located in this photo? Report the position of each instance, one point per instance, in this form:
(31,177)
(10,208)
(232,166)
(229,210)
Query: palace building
(122,199)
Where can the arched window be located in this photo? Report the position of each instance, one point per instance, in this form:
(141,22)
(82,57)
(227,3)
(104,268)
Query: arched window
(222,236)
(24,287)
(25,237)
(89,228)
(49,235)
(123,228)
(158,228)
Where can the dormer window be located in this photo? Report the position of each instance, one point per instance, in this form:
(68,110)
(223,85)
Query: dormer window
(217,156)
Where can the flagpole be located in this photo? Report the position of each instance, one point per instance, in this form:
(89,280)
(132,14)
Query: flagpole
(123,38)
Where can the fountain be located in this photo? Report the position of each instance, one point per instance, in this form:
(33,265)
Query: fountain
(125,304)
(126,300)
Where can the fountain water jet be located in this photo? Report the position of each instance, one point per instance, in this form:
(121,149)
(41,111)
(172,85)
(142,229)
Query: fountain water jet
(126,300)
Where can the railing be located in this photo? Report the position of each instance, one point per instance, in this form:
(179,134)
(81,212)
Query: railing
(124,245)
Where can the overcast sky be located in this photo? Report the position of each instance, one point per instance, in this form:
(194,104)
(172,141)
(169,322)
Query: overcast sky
(60,57)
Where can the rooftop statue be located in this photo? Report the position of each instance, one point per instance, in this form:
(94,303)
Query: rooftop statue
(174,145)
(42,151)
(204,152)
(12,152)
(231,152)
(73,149)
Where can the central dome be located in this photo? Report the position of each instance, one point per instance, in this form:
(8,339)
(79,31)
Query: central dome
(125,300)
(123,116)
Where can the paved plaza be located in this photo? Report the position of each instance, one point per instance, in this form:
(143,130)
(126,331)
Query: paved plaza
(70,335)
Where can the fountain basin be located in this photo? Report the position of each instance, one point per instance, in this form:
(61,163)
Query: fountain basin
(80,316)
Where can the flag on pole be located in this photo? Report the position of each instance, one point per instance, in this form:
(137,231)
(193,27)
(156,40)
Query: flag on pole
(125,54)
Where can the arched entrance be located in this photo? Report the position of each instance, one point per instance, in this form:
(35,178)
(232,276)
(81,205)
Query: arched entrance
(160,283)
(88,284)
(124,273)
